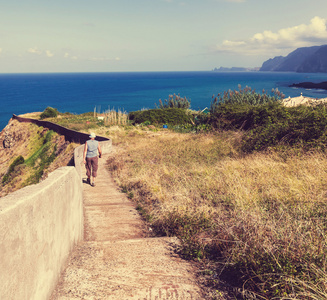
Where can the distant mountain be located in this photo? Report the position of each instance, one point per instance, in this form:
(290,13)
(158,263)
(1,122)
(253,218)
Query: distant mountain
(235,69)
(304,60)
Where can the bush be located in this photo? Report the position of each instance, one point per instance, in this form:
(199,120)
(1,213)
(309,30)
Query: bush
(245,116)
(49,112)
(245,96)
(172,116)
(302,126)
(272,124)
(175,101)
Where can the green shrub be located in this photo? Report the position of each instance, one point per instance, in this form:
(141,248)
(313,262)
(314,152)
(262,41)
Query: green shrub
(189,128)
(245,96)
(302,126)
(272,124)
(172,116)
(49,112)
(246,116)
(18,161)
(175,101)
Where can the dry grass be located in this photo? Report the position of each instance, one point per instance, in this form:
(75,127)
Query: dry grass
(263,215)
(113,117)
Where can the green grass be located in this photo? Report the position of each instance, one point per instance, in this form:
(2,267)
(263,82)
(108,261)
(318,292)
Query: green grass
(31,169)
(41,159)
(18,161)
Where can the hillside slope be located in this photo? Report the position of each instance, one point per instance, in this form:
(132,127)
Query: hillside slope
(303,60)
(29,141)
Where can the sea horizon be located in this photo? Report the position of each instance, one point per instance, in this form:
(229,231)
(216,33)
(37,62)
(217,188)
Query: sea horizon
(79,92)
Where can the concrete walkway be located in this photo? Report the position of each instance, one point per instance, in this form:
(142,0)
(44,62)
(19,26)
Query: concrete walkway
(115,261)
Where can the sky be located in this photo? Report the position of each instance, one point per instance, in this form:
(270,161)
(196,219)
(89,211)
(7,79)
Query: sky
(154,35)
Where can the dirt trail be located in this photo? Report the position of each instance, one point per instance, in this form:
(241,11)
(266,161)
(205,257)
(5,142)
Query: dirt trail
(115,261)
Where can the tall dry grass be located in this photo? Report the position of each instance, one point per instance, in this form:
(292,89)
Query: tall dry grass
(113,117)
(260,219)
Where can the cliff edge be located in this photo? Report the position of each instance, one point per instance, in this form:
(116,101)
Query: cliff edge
(29,141)
(302,60)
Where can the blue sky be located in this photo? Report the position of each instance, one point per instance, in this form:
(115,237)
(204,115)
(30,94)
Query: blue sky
(153,35)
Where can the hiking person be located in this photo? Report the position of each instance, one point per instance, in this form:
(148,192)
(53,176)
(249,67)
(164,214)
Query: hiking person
(90,158)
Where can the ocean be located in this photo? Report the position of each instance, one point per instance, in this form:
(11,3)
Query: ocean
(84,92)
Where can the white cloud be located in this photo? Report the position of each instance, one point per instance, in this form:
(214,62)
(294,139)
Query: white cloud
(37,51)
(284,40)
(228,43)
(34,50)
(68,56)
(104,59)
(49,53)
(315,31)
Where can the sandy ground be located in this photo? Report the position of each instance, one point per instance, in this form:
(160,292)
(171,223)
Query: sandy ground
(116,260)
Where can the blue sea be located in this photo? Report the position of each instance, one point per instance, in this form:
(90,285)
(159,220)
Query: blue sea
(84,92)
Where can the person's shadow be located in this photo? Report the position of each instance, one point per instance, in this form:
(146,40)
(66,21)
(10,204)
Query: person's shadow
(85,181)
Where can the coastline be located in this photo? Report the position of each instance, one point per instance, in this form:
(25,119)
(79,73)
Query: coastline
(83,92)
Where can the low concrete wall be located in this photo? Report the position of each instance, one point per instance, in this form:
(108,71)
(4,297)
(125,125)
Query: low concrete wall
(39,226)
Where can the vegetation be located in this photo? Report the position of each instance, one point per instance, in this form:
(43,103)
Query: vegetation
(273,125)
(18,161)
(85,121)
(40,151)
(113,117)
(243,188)
(245,96)
(41,159)
(175,101)
(91,120)
(256,221)
(49,112)
(171,116)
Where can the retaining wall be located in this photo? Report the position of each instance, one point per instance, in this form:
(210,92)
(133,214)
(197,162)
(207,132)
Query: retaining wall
(39,226)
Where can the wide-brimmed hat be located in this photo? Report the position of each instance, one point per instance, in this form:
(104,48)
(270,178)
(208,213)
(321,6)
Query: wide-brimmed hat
(92,135)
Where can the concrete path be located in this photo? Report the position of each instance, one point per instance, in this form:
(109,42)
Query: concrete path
(115,261)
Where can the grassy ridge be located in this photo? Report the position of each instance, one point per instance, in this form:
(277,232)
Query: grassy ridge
(257,220)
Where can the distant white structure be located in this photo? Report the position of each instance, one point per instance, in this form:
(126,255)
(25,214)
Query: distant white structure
(302,100)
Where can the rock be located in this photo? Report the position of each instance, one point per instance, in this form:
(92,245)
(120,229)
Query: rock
(311,85)
(8,141)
